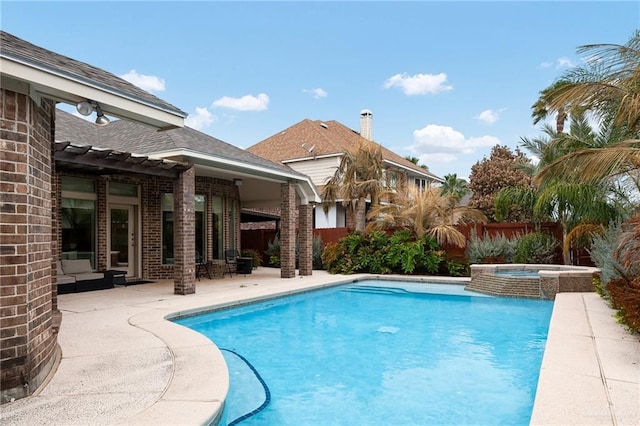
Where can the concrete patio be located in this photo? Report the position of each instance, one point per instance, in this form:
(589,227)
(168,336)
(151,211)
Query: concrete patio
(121,362)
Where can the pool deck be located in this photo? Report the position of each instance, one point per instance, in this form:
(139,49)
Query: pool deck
(122,363)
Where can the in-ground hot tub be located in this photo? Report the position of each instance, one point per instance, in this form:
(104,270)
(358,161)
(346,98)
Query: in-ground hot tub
(530,280)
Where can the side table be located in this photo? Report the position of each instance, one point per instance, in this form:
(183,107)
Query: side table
(116,276)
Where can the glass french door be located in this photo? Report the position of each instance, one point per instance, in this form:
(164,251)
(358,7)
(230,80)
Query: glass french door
(123,239)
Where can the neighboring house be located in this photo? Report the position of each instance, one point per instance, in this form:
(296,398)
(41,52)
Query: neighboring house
(125,196)
(315,148)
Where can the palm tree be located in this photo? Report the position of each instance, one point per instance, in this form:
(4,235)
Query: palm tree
(425,212)
(416,160)
(453,185)
(608,85)
(541,110)
(359,176)
(581,208)
(609,88)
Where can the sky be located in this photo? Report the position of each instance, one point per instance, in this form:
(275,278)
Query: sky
(445,81)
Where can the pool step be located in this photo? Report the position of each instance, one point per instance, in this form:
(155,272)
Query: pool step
(374,290)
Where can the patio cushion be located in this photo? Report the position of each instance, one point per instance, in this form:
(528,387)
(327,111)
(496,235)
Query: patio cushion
(74,267)
(89,276)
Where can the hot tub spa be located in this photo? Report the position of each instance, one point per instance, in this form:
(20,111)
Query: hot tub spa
(530,280)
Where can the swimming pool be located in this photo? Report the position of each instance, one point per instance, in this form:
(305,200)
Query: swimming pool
(380,352)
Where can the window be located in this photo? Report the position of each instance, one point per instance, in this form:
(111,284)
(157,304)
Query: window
(167,227)
(421,184)
(232,223)
(201,226)
(392,177)
(79,219)
(123,189)
(218,236)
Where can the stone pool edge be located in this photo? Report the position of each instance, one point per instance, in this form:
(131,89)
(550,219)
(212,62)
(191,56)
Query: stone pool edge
(561,397)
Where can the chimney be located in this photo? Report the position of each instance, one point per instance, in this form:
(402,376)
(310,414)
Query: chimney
(365,124)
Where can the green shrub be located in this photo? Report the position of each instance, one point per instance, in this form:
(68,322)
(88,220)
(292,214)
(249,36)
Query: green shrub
(536,248)
(496,249)
(273,251)
(458,269)
(317,246)
(377,253)
(253,254)
(601,252)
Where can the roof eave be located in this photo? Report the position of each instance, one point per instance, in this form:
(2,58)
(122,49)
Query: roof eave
(64,88)
(306,189)
(425,173)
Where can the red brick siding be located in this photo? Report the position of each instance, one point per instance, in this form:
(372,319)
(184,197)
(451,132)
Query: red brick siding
(305,237)
(288,231)
(27,340)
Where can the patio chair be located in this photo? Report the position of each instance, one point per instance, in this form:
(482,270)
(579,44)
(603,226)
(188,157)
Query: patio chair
(202,267)
(231,262)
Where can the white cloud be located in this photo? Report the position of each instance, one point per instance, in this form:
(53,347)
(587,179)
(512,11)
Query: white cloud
(419,84)
(317,93)
(443,143)
(245,103)
(150,83)
(488,116)
(562,62)
(201,119)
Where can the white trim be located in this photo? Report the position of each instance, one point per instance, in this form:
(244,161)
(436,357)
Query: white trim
(305,188)
(426,173)
(63,88)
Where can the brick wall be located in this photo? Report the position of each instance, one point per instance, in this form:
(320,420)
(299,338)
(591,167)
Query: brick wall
(305,238)
(27,338)
(151,190)
(184,232)
(287,231)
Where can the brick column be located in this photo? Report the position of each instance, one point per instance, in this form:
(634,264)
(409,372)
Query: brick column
(184,233)
(287,230)
(28,338)
(305,239)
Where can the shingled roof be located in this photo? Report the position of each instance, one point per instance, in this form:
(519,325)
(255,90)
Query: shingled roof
(327,138)
(132,137)
(20,50)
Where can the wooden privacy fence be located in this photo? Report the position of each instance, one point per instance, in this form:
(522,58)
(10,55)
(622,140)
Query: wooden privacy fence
(258,239)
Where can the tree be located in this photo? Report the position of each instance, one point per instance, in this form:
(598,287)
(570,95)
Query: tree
(359,176)
(609,88)
(582,209)
(541,110)
(502,169)
(416,160)
(453,185)
(608,85)
(425,212)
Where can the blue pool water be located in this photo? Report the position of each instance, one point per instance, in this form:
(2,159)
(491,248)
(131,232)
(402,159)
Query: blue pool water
(380,352)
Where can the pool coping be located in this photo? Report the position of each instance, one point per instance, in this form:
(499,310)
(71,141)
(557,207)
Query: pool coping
(592,380)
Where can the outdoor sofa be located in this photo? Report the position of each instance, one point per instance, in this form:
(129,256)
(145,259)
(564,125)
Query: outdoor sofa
(77,275)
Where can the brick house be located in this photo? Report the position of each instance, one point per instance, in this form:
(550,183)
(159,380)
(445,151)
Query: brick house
(314,148)
(141,194)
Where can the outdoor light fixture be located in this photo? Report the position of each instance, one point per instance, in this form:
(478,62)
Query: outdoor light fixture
(101,120)
(87,107)
(237,182)
(84,108)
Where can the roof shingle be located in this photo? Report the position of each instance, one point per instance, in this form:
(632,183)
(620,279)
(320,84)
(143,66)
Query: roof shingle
(15,48)
(327,138)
